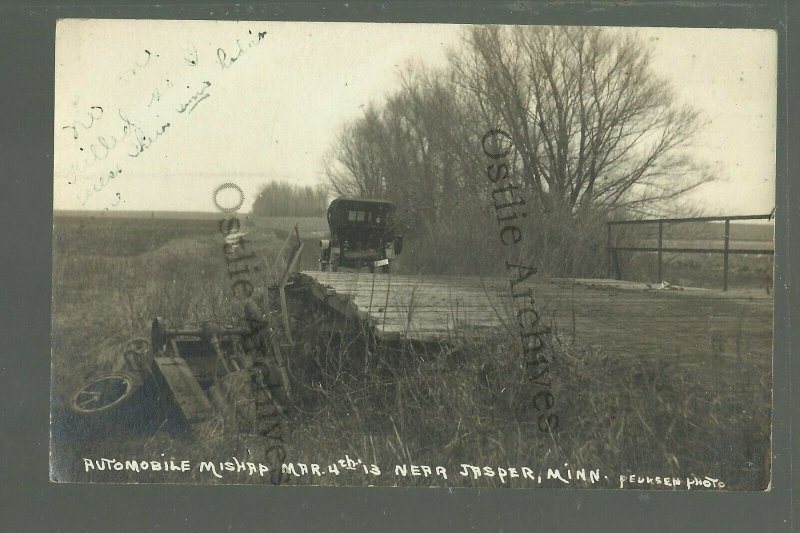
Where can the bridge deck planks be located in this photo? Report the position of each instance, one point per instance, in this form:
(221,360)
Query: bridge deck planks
(627,318)
(414,307)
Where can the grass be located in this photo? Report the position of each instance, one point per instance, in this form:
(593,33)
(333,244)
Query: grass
(399,403)
(475,406)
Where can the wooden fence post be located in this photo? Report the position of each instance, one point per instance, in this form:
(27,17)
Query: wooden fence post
(613,264)
(660,245)
(616,264)
(725,256)
(608,249)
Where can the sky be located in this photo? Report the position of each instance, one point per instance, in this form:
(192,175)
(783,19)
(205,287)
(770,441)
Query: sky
(156,115)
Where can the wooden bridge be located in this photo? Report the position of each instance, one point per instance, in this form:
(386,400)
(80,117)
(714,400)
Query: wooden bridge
(627,318)
(430,308)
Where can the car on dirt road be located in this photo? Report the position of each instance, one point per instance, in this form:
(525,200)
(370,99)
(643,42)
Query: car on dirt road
(362,235)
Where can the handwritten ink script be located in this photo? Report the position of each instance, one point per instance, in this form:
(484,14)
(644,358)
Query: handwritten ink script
(163,89)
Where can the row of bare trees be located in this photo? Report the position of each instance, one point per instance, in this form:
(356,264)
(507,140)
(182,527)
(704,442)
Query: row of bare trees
(595,131)
(281,198)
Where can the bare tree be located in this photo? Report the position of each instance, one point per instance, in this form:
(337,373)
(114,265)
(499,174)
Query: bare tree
(355,167)
(594,126)
(595,131)
(417,149)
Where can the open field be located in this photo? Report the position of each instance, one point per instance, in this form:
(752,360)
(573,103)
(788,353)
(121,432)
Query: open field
(309,227)
(646,381)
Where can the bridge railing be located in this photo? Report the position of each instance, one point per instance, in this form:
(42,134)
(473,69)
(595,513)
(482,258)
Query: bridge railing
(726,250)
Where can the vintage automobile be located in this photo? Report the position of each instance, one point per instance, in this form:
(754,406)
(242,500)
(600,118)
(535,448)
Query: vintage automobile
(183,376)
(361,236)
(195,374)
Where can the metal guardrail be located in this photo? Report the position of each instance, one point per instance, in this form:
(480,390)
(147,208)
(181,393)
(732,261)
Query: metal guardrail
(660,249)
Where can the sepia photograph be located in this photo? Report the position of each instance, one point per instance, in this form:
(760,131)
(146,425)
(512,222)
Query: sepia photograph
(413,255)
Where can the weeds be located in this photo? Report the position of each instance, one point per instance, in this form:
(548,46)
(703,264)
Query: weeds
(474,405)
(406,402)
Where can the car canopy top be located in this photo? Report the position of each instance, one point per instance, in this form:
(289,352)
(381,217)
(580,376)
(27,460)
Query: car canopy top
(358,210)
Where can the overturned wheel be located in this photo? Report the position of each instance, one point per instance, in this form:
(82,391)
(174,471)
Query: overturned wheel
(116,402)
(103,393)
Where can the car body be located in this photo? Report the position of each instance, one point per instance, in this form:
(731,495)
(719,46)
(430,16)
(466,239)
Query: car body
(361,235)
(182,377)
